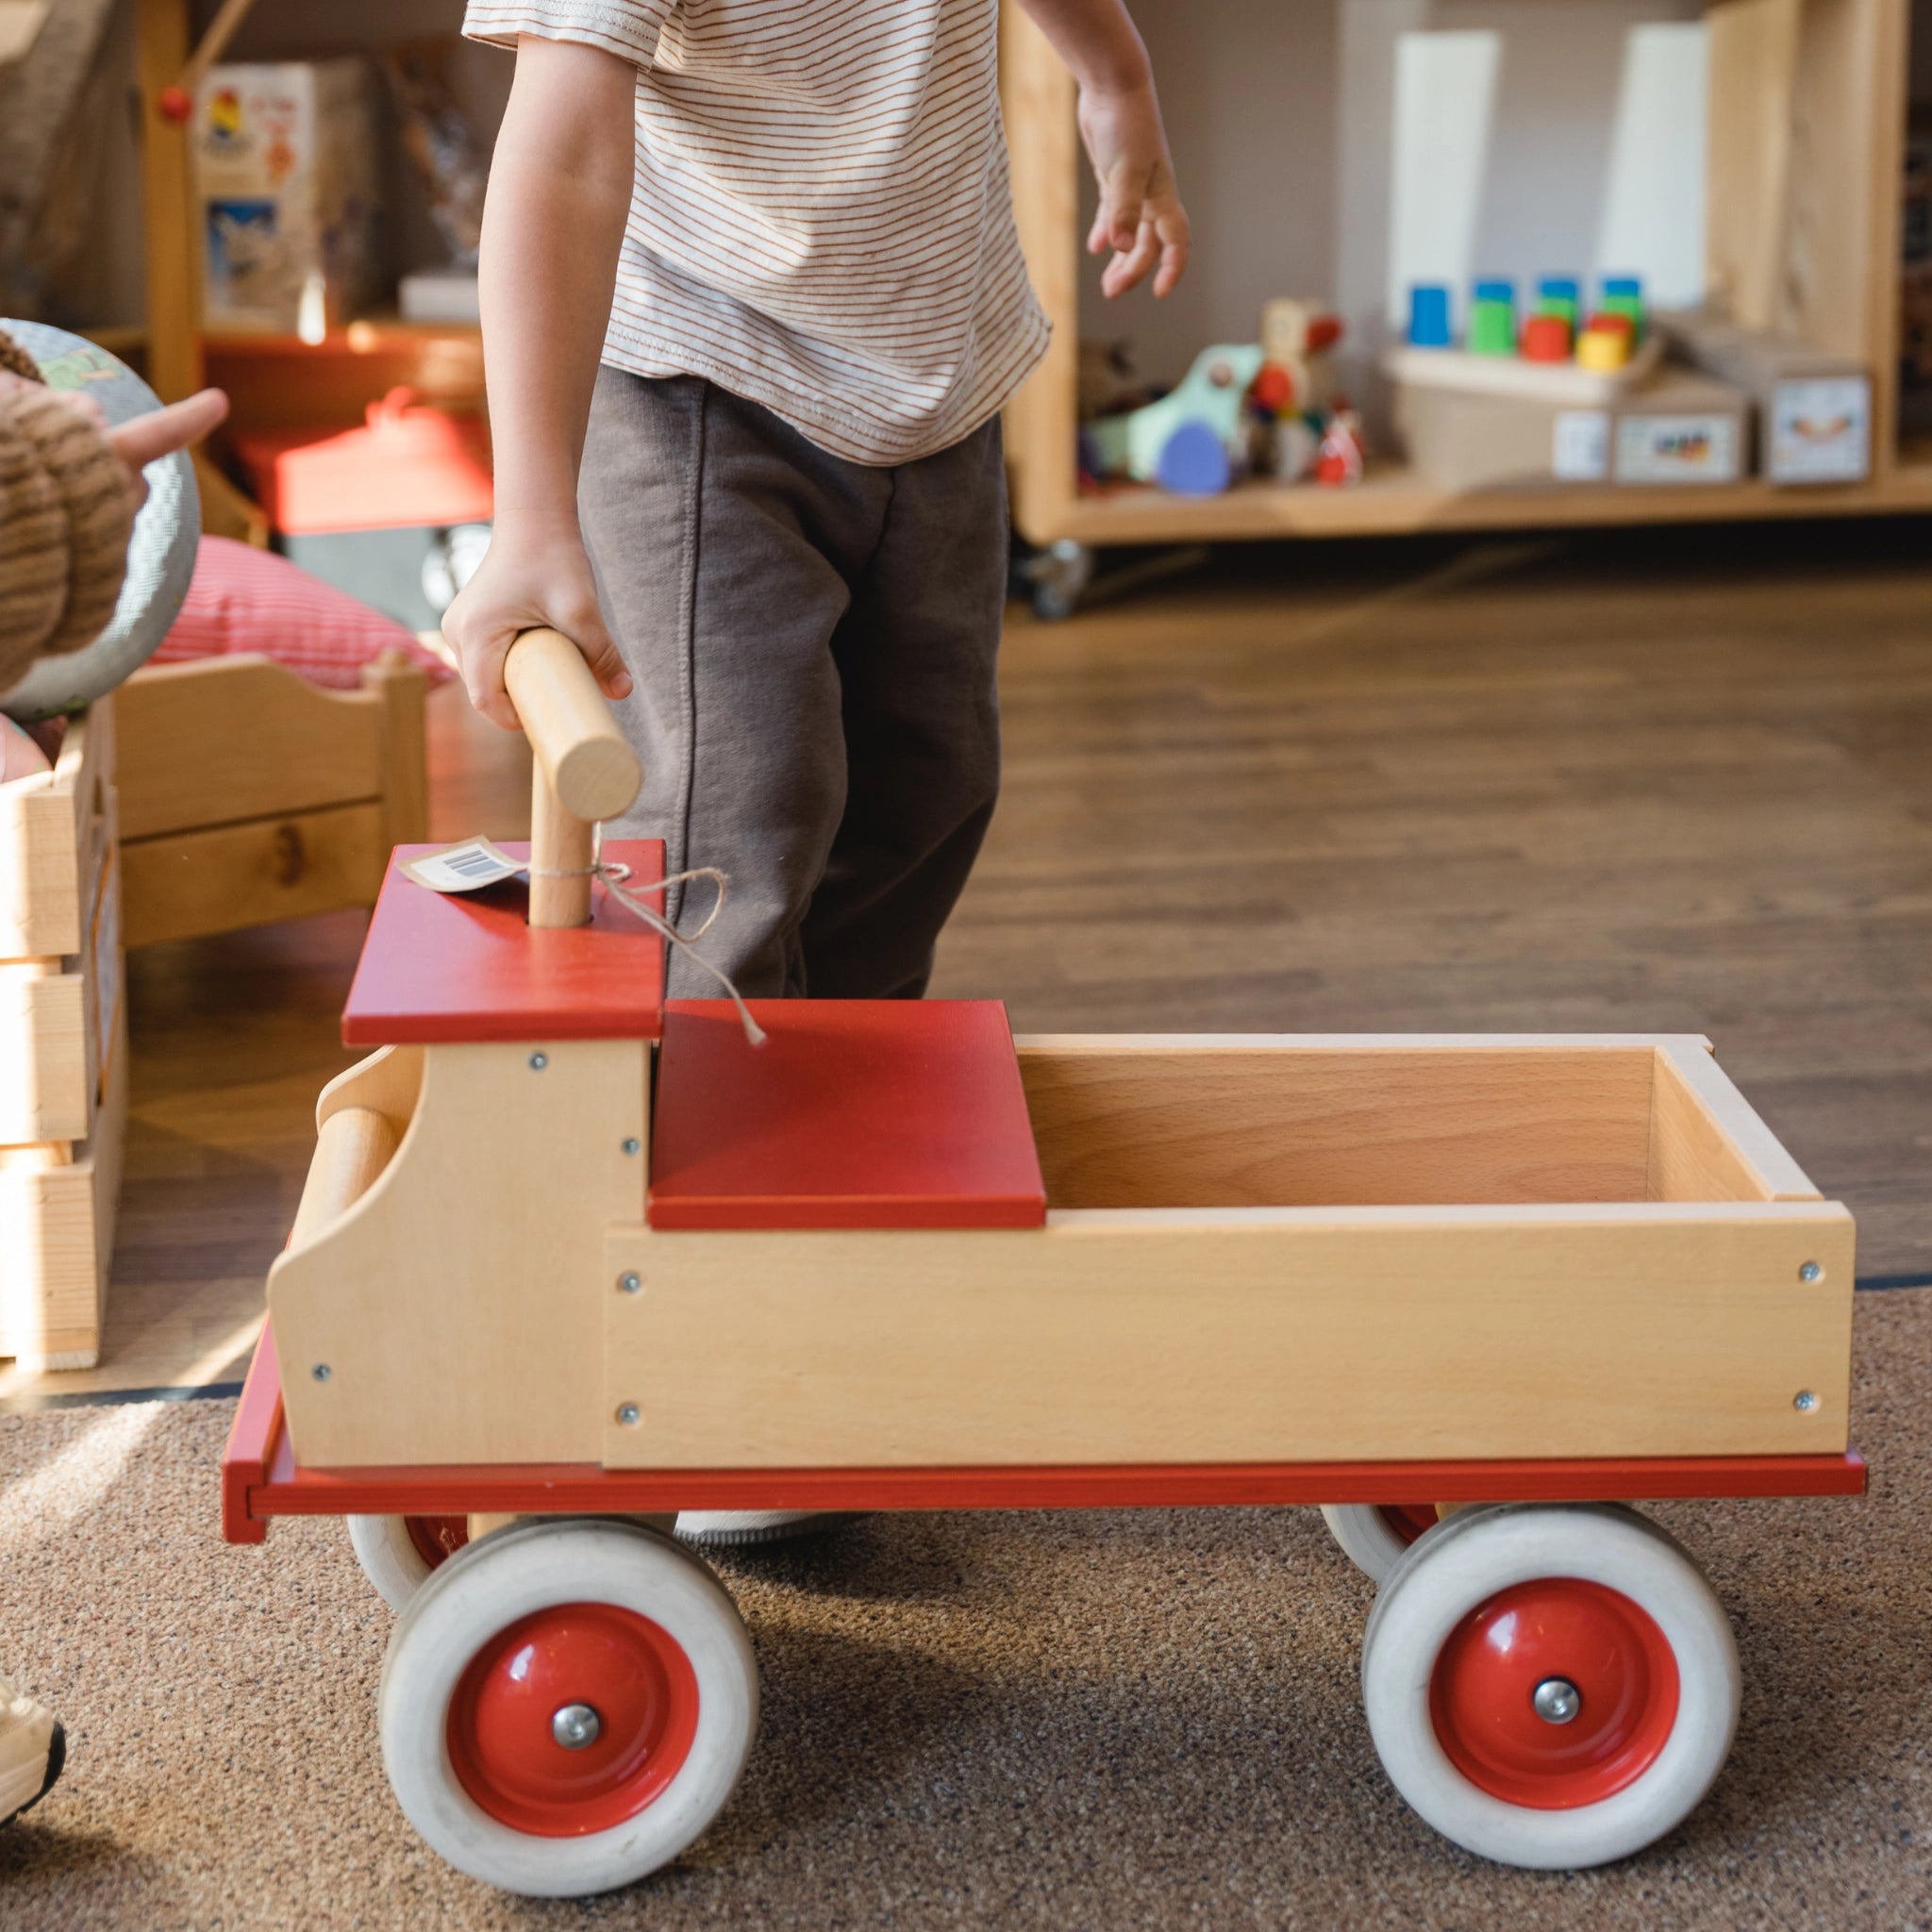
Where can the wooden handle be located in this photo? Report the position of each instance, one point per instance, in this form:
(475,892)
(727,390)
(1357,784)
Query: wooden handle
(355,1145)
(581,753)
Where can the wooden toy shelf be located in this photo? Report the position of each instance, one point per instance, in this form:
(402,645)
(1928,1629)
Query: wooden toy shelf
(1807,129)
(1393,499)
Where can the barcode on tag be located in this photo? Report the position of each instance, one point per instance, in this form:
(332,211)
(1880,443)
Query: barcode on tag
(462,868)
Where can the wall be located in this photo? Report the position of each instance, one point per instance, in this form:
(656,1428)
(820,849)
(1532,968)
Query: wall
(1281,116)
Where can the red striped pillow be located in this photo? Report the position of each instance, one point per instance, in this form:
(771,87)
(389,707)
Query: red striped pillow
(244,599)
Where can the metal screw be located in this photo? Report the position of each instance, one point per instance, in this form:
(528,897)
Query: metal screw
(633,1146)
(321,1371)
(1805,1399)
(574,1726)
(630,1283)
(539,1062)
(1556,1700)
(627,1414)
(1811,1272)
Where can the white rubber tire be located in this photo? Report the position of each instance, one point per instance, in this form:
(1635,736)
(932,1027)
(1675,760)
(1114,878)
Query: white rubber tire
(1366,1538)
(508,1576)
(1470,1557)
(389,1558)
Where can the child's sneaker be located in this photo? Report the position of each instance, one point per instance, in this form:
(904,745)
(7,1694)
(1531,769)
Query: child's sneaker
(33,1747)
(719,1529)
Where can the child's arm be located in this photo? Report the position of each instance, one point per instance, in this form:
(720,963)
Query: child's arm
(1140,215)
(553,224)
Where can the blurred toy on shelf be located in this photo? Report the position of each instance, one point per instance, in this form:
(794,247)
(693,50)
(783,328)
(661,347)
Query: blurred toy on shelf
(1339,458)
(1623,295)
(1296,336)
(1194,439)
(1242,408)
(1492,319)
(1814,407)
(1560,296)
(286,172)
(1429,327)
(1607,343)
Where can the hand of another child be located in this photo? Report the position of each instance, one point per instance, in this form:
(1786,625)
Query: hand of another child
(1140,217)
(525,582)
(142,440)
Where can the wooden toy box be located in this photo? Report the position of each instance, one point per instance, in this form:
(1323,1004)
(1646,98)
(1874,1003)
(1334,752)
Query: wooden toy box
(572,1254)
(1252,1252)
(63,1054)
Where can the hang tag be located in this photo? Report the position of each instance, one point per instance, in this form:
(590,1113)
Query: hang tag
(462,868)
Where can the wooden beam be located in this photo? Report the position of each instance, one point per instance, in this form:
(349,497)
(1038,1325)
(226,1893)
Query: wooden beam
(168,202)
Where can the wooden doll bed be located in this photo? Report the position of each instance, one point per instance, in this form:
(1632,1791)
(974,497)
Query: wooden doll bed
(248,794)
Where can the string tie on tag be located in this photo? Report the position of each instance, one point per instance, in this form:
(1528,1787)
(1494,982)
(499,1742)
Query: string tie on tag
(614,873)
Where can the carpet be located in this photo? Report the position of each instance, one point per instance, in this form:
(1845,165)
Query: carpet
(1120,1719)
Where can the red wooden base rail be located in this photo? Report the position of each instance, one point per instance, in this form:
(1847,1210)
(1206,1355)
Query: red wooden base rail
(259,1479)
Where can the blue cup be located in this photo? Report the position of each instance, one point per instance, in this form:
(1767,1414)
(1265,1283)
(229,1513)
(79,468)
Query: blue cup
(1428,316)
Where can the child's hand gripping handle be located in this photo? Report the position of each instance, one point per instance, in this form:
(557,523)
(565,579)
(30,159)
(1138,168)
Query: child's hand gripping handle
(584,769)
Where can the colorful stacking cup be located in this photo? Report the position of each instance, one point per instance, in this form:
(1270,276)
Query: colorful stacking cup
(1546,338)
(1428,316)
(1560,296)
(1623,295)
(1492,319)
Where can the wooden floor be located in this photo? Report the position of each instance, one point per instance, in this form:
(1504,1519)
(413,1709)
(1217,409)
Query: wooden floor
(1677,781)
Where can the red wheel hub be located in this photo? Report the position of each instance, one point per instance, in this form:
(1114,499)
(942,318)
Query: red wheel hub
(1409,1520)
(630,1672)
(1559,1631)
(436,1539)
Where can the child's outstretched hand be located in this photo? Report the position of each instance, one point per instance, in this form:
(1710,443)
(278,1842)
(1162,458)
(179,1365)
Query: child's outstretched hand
(1140,215)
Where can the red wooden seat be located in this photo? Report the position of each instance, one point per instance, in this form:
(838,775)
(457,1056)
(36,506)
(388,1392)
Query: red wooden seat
(854,1113)
(466,966)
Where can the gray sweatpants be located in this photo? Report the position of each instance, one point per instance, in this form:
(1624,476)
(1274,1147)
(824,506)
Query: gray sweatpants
(812,643)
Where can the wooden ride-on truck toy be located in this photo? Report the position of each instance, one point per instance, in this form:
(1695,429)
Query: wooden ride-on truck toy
(572,1258)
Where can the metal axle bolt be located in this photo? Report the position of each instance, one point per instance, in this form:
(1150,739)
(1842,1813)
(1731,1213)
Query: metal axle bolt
(1805,1399)
(1556,1700)
(631,1283)
(574,1726)
(322,1372)
(629,1414)
(633,1146)
(1811,1272)
(539,1062)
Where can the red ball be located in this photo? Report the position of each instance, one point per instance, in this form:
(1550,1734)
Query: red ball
(175,104)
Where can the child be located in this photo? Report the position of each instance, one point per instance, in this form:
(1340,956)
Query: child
(751,300)
(69,489)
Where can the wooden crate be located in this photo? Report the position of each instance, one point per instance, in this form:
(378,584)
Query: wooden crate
(1257,1250)
(63,1050)
(1272,1250)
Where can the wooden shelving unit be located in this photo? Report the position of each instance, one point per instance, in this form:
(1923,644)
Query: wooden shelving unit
(1806,127)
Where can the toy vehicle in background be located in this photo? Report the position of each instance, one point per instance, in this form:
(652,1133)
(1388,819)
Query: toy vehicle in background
(572,1258)
(1194,439)
(1242,406)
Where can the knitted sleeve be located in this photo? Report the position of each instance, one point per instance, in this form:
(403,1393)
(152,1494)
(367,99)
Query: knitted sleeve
(66,513)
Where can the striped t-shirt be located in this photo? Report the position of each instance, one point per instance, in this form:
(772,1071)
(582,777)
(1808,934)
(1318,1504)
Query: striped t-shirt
(821,219)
